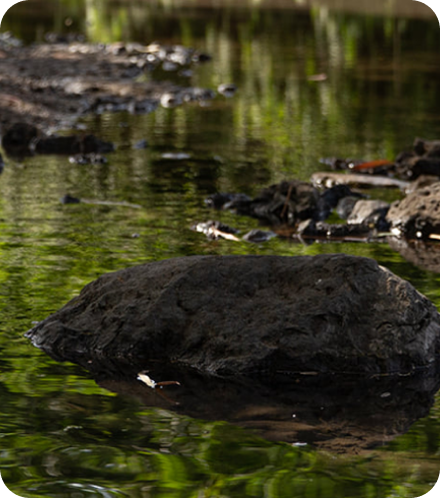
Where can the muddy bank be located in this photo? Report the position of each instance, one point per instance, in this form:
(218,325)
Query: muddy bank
(52,85)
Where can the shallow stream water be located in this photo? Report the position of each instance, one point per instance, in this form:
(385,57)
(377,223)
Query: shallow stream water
(62,434)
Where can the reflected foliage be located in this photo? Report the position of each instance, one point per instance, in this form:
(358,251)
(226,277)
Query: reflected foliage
(61,435)
(83,440)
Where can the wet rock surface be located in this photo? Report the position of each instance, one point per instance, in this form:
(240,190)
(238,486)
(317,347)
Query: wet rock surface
(417,216)
(248,315)
(370,213)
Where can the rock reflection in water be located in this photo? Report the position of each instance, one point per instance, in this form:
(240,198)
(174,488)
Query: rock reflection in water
(424,255)
(345,414)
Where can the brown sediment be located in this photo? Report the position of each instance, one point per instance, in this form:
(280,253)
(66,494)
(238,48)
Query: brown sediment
(52,85)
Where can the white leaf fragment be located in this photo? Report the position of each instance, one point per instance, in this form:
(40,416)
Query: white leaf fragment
(146,380)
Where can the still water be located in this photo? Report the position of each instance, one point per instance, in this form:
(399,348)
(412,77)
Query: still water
(62,434)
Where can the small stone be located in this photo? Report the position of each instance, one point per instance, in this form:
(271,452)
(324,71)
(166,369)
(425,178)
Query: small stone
(68,199)
(227,89)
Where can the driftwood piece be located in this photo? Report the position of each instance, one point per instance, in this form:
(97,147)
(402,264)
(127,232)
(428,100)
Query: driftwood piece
(329,179)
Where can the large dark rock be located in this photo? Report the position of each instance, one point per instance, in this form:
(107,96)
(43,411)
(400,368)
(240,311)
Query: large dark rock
(417,216)
(249,315)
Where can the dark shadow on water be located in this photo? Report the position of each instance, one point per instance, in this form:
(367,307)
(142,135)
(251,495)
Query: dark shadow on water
(344,414)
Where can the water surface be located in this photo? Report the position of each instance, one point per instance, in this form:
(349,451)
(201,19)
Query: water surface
(63,435)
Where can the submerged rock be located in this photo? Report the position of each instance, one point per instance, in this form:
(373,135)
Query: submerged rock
(73,144)
(229,315)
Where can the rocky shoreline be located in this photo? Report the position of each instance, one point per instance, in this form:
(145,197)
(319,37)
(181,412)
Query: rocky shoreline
(51,85)
(267,333)
(298,210)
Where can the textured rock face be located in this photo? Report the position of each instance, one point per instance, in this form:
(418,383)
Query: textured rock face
(417,216)
(247,314)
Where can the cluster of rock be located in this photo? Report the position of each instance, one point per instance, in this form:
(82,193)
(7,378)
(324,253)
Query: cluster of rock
(169,57)
(71,88)
(300,209)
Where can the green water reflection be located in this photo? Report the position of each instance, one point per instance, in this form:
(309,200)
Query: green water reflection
(74,438)
(61,435)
